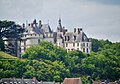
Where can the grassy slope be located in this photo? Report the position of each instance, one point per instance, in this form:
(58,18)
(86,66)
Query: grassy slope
(6,56)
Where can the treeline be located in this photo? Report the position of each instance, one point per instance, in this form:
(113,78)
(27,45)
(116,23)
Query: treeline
(47,62)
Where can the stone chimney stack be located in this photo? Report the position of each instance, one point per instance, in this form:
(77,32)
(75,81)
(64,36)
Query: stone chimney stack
(78,30)
(29,25)
(74,30)
(40,23)
(23,25)
(34,22)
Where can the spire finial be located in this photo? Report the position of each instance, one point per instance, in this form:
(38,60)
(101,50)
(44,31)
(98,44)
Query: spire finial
(59,20)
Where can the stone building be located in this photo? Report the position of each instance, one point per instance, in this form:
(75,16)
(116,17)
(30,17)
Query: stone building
(76,40)
(36,32)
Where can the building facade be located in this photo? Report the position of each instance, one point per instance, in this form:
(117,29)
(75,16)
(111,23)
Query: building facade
(36,32)
(76,40)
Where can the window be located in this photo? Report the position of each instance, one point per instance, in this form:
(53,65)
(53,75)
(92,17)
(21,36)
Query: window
(66,44)
(87,50)
(87,44)
(83,49)
(68,38)
(77,44)
(68,49)
(73,44)
(65,38)
(83,44)
(74,38)
(38,40)
(77,48)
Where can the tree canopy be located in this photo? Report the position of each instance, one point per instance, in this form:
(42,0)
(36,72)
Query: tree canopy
(47,62)
(10,32)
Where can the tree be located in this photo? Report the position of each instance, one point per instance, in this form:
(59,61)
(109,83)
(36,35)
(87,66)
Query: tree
(13,32)
(9,29)
(1,44)
(97,44)
(75,60)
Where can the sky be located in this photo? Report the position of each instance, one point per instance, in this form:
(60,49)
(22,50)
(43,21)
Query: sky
(99,19)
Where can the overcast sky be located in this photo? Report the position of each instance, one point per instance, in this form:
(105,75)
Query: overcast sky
(99,19)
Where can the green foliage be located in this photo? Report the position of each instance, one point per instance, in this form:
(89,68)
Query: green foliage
(97,44)
(47,62)
(9,29)
(12,32)
(45,51)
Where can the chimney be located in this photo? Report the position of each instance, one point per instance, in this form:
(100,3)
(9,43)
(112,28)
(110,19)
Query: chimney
(34,22)
(23,25)
(78,30)
(29,25)
(40,23)
(74,30)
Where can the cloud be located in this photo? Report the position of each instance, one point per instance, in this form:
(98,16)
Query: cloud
(108,2)
(99,18)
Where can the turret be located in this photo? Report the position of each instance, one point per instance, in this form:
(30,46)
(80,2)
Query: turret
(60,26)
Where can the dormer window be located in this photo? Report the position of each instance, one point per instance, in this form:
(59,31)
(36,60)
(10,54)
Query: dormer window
(83,44)
(68,38)
(74,38)
(87,44)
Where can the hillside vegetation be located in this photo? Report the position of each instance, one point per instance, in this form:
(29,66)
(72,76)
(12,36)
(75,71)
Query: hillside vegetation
(6,56)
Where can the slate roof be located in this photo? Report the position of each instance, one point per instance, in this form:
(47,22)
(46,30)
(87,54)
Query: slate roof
(46,28)
(22,81)
(80,37)
(35,28)
(18,81)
